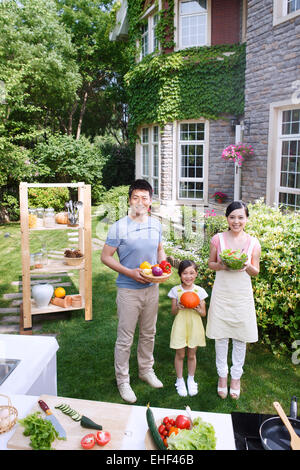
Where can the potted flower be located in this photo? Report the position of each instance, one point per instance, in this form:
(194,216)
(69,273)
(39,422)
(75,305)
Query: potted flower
(237,153)
(220,197)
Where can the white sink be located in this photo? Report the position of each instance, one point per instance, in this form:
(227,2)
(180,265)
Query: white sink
(6,367)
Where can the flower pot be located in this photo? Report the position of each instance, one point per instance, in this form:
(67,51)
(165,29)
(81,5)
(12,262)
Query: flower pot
(42,294)
(219,201)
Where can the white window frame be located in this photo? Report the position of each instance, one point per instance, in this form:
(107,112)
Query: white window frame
(284,138)
(280,12)
(177,25)
(150,15)
(274,151)
(148,149)
(204,177)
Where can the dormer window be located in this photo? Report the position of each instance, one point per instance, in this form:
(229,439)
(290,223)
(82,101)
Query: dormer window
(149,40)
(193,23)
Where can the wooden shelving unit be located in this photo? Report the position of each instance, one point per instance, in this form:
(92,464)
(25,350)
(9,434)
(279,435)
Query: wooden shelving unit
(28,307)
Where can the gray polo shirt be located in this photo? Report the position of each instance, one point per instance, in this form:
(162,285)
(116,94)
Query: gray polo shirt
(135,243)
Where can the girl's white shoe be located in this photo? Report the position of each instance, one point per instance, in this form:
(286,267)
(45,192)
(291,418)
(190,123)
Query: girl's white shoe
(180,387)
(192,386)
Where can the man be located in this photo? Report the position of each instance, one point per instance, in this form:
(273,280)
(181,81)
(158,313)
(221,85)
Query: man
(136,238)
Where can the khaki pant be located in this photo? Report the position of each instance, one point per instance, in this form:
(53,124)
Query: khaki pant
(135,306)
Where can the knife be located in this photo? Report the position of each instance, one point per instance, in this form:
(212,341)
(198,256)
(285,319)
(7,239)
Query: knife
(53,419)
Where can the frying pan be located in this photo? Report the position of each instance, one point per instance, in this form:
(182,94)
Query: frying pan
(273,433)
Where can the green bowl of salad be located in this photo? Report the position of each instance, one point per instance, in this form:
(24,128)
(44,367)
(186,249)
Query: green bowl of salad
(233,259)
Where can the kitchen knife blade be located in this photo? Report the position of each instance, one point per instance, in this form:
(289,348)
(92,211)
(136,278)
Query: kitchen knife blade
(53,419)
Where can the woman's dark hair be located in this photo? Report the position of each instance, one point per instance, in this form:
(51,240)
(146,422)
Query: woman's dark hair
(186,263)
(236,205)
(141,184)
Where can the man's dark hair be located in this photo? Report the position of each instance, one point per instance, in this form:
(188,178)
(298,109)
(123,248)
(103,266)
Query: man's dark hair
(141,184)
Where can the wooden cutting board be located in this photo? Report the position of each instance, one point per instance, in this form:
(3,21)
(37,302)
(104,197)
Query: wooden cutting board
(113,417)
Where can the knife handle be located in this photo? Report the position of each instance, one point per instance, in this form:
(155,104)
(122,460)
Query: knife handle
(44,407)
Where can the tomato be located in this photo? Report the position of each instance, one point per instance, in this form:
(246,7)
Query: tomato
(172,422)
(103,438)
(182,422)
(88,441)
(166,420)
(161,428)
(168,426)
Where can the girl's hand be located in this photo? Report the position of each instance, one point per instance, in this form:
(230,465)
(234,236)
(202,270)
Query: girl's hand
(201,309)
(180,306)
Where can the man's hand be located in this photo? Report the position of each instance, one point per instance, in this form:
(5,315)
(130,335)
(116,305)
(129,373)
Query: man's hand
(136,275)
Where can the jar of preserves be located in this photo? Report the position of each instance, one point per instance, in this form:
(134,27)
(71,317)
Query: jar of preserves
(49,217)
(32,218)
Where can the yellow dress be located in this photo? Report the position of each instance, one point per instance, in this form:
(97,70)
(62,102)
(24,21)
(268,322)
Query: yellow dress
(187,329)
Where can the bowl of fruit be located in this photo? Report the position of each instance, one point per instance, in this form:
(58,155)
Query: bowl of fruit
(233,259)
(156,273)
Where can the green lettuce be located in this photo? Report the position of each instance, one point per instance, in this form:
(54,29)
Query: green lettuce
(234,259)
(200,437)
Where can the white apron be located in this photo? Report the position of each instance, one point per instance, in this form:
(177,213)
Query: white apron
(231,311)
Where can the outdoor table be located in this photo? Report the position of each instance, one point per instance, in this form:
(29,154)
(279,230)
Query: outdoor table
(136,425)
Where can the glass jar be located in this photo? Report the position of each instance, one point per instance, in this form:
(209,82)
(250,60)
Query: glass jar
(32,261)
(38,260)
(44,253)
(49,217)
(40,216)
(32,218)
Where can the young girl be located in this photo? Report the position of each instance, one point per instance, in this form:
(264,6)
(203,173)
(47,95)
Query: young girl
(187,330)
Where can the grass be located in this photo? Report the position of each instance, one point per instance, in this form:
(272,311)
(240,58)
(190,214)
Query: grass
(85,359)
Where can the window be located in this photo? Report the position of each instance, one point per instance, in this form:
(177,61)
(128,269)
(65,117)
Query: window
(150,156)
(293,5)
(149,41)
(192,23)
(285,10)
(191,160)
(289,177)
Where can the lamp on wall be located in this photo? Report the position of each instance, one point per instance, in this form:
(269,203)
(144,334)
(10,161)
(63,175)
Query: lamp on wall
(246,126)
(234,122)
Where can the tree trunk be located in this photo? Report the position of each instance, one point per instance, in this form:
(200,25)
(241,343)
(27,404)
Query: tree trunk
(70,123)
(82,111)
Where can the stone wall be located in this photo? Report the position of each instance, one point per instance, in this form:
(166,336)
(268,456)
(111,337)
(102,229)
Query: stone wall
(166,169)
(272,66)
(221,172)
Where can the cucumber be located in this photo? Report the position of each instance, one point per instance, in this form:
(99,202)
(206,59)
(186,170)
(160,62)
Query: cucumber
(153,429)
(84,421)
(66,409)
(88,423)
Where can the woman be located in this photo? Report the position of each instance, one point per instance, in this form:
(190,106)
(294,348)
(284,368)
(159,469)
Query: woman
(232,312)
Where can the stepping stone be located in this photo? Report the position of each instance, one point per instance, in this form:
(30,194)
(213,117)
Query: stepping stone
(10,319)
(10,310)
(16,295)
(6,329)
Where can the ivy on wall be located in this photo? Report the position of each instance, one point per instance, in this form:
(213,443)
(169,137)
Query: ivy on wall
(205,82)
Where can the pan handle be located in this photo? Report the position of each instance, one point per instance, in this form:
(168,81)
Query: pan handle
(293,409)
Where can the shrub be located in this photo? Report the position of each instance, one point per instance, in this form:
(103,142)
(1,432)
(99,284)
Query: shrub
(114,203)
(63,159)
(48,197)
(119,166)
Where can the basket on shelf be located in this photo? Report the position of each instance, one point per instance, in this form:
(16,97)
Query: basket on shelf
(73,261)
(8,415)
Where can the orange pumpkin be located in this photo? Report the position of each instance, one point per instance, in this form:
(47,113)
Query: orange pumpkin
(189,299)
(61,218)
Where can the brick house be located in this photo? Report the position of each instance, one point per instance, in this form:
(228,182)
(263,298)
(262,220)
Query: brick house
(182,157)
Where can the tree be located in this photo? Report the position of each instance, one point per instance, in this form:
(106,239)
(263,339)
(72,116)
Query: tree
(102,65)
(37,69)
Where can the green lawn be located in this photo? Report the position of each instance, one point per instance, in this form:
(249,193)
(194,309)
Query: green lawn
(85,359)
